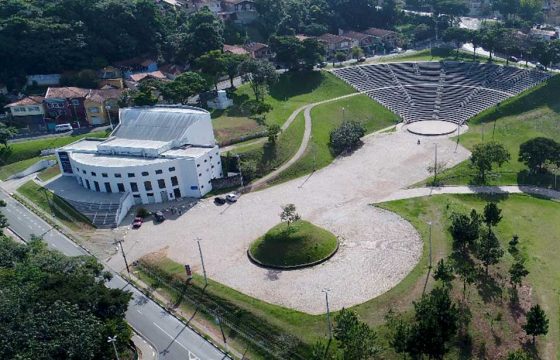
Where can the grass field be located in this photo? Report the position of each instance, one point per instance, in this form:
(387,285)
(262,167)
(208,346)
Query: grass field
(54,205)
(8,170)
(300,243)
(49,173)
(492,325)
(532,114)
(29,149)
(327,117)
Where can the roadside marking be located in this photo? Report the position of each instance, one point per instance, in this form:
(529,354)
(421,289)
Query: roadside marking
(173,338)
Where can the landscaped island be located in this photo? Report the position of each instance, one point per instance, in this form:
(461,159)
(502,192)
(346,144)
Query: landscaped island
(294,245)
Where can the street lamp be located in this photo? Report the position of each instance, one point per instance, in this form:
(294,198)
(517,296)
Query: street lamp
(119,243)
(326,291)
(430,245)
(112,340)
(108,108)
(435,164)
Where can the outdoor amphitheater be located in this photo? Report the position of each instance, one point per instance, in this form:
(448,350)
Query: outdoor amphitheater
(435,98)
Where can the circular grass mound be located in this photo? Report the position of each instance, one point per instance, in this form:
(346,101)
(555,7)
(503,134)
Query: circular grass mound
(299,245)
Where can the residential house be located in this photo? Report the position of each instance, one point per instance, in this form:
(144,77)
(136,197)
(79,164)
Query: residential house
(65,105)
(389,39)
(102,106)
(543,34)
(235,49)
(171,71)
(240,11)
(214,6)
(258,50)
(335,43)
(111,76)
(366,41)
(43,80)
(28,112)
(136,65)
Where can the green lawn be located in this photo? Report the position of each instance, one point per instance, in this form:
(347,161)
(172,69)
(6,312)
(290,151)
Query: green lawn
(55,205)
(230,128)
(300,243)
(327,117)
(536,222)
(29,149)
(529,115)
(8,170)
(49,173)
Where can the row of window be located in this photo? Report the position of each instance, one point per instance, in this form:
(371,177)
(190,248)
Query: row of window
(133,185)
(25,109)
(130,175)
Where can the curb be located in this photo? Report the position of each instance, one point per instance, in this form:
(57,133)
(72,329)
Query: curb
(293,267)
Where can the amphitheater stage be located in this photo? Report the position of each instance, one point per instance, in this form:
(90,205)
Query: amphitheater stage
(431,128)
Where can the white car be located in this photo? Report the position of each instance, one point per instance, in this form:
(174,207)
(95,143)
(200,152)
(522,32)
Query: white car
(232,197)
(63,128)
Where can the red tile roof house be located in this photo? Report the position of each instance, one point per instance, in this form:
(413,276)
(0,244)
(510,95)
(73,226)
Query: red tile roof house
(366,41)
(28,113)
(335,43)
(65,105)
(258,50)
(388,38)
(136,65)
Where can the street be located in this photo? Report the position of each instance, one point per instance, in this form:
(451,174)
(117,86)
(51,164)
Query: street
(170,337)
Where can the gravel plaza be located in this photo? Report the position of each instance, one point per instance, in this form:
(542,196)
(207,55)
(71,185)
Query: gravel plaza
(377,248)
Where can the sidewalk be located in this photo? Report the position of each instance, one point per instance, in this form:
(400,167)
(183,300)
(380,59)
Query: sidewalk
(145,350)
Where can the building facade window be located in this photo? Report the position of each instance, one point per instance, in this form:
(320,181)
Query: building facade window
(145,173)
(148,185)
(171,169)
(158,172)
(134,187)
(120,186)
(161,183)
(93,173)
(108,187)
(131,175)
(96,185)
(174,181)
(118,175)
(104,174)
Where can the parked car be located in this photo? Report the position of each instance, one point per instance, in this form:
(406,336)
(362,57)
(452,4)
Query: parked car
(159,216)
(362,59)
(231,197)
(513,59)
(219,200)
(322,65)
(138,221)
(540,66)
(63,128)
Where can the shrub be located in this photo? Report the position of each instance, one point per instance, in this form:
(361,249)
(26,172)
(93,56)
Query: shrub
(142,212)
(346,137)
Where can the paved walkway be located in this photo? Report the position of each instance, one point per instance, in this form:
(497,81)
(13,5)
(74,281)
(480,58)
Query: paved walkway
(508,189)
(145,350)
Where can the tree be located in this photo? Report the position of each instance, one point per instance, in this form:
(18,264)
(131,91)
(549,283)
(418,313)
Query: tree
(436,323)
(537,322)
(444,272)
(340,56)
(535,153)
(312,53)
(458,36)
(519,355)
(512,248)
(464,230)
(231,65)
(475,39)
(183,87)
(6,133)
(489,39)
(485,155)
(289,214)
(489,250)
(204,33)
(357,52)
(260,74)
(288,50)
(467,272)
(517,272)
(346,137)
(355,338)
(212,64)
(272,132)
(143,97)
(492,214)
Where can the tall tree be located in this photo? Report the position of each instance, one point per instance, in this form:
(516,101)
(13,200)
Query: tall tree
(183,87)
(6,133)
(536,152)
(289,214)
(464,230)
(355,338)
(537,322)
(288,50)
(489,250)
(231,65)
(485,155)
(312,53)
(517,272)
(458,36)
(204,33)
(260,74)
(492,214)
(444,273)
(213,65)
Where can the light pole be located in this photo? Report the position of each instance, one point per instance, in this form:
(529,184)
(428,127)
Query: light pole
(108,108)
(119,242)
(435,164)
(112,340)
(343,109)
(202,262)
(326,291)
(430,245)
(239,169)
(458,135)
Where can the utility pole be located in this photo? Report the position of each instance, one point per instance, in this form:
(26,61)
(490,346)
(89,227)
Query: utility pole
(202,261)
(119,242)
(430,244)
(239,169)
(112,340)
(435,165)
(108,108)
(326,291)
(458,135)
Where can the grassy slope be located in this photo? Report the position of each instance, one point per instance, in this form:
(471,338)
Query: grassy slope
(49,173)
(8,170)
(327,117)
(302,243)
(533,113)
(38,196)
(522,215)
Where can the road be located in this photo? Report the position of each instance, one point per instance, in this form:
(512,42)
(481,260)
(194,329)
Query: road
(169,336)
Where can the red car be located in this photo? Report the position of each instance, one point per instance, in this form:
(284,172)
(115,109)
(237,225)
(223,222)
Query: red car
(137,222)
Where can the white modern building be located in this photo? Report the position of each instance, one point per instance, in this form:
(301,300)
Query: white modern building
(154,155)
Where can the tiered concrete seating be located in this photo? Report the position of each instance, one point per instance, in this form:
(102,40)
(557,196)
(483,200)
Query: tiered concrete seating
(101,215)
(448,91)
